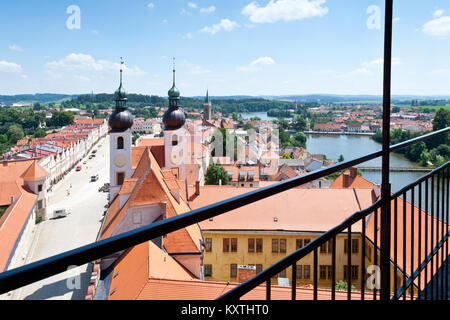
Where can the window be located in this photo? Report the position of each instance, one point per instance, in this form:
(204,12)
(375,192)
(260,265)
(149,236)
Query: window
(274,245)
(233,270)
(323,272)
(120,178)
(174,140)
(39,204)
(325,248)
(298,244)
(283,245)
(226,244)
(355,245)
(354,272)
(306,241)
(306,272)
(120,143)
(39,187)
(283,274)
(233,244)
(208,244)
(369,252)
(259,245)
(299,271)
(259,268)
(208,270)
(251,245)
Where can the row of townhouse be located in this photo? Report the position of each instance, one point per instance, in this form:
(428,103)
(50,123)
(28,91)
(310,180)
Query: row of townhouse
(61,150)
(146,126)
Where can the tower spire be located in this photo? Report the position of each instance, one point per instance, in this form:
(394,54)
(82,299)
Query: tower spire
(121,70)
(174,71)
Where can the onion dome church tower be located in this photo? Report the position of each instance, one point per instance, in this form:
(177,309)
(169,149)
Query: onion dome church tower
(174,133)
(120,143)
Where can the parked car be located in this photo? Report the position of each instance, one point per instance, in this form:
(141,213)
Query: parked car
(90,157)
(60,213)
(94,178)
(78,168)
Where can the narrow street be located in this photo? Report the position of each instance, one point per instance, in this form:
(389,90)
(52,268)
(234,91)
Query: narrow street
(80,196)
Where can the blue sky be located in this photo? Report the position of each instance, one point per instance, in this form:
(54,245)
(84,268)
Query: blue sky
(232,47)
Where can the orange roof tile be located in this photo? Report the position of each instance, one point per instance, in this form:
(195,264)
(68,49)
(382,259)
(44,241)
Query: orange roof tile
(34,172)
(296,209)
(12,224)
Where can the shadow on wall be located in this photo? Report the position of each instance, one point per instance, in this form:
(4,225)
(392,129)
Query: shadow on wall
(78,286)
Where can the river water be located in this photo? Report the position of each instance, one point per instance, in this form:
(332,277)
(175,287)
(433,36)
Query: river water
(352,147)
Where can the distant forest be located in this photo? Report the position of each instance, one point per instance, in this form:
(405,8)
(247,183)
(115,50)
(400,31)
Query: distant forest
(226,106)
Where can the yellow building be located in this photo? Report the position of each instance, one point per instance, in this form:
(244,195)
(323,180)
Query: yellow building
(266,231)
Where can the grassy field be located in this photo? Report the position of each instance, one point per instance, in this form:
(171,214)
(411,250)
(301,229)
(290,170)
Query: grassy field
(433,108)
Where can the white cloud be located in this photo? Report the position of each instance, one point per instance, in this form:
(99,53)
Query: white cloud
(208,10)
(225,25)
(438,13)
(380,62)
(256,65)
(164,20)
(10,67)
(397,19)
(86,63)
(82,78)
(188,36)
(192,5)
(15,47)
(151,5)
(285,10)
(439,27)
(199,70)
(370,68)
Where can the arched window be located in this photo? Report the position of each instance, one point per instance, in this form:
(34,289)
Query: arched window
(174,140)
(120,143)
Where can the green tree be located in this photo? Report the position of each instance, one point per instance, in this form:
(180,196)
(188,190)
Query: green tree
(299,124)
(285,156)
(39,133)
(341,158)
(15,133)
(214,174)
(299,140)
(440,121)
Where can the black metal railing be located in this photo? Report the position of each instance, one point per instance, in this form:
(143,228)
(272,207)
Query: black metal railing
(438,245)
(45,268)
(379,229)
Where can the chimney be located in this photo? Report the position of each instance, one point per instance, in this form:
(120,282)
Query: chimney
(12,199)
(353,172)
(220,182)
(347,180)
(197,188)
(164,210)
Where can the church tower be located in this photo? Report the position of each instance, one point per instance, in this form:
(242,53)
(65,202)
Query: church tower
(120,141)
(175,135)
(207,108)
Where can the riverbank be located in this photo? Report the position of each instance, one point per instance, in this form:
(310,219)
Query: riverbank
(341,133)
